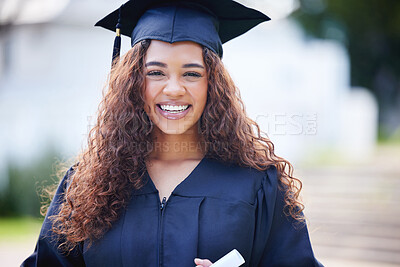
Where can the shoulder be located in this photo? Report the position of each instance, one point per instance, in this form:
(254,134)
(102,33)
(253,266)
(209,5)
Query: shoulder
(238,175)
(66,180)
(222,179)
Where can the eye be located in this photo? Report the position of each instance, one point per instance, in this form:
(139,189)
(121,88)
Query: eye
(192,74)
(155,73)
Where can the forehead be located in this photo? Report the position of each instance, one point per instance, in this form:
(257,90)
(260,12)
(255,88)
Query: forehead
(183,51)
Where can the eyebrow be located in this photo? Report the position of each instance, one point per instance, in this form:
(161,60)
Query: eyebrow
(193,65)
(155,63)
(163,65)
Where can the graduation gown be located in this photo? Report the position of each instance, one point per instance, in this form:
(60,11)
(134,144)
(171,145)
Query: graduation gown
(217,208)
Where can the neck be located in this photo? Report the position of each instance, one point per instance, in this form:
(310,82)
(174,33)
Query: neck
(170,147)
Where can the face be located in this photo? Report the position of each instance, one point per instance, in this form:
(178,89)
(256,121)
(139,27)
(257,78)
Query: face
(176,86)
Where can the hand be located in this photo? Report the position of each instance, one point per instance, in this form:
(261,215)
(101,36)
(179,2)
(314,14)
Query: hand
(202,263)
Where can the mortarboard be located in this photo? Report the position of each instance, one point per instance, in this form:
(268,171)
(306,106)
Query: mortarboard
(207,22)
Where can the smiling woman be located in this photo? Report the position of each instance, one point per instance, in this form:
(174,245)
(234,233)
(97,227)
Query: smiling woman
(175,173)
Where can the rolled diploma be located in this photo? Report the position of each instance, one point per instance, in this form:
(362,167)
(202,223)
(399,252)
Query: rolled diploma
(232,259)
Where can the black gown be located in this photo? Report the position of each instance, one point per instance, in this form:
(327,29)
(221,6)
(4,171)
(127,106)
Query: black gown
(217,208)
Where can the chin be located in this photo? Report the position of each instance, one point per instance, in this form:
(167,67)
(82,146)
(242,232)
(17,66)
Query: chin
(175,131)
(176,128)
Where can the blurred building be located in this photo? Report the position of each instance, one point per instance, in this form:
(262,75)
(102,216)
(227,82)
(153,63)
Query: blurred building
(298,90)
(53,67)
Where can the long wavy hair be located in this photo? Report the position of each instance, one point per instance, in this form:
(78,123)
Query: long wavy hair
(118,145)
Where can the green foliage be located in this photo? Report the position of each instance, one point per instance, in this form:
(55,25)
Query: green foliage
(371,32)
(26,183)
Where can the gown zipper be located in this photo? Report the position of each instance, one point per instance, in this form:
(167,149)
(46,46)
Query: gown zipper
(163,204)
(160,238)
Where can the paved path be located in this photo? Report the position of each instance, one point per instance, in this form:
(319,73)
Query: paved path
(354,211)
(13,253)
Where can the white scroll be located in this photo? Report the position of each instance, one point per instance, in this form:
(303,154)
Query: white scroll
(232,259)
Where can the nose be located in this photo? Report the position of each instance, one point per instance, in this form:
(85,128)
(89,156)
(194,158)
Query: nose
(174,88)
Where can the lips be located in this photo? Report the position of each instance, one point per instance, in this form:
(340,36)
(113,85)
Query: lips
(173,112)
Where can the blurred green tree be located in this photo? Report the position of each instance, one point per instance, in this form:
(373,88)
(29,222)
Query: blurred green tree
(371,32)
(22,196)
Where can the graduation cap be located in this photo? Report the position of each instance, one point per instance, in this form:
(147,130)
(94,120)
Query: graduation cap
(207,22)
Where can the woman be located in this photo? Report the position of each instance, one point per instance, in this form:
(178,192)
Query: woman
(175,173)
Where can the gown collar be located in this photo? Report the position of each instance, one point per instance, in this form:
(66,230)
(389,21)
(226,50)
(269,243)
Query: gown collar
(184,188)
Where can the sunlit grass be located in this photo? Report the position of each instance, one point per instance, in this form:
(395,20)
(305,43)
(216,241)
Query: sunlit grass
(19,229)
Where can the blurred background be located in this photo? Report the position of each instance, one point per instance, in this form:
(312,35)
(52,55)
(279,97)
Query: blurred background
(322,79)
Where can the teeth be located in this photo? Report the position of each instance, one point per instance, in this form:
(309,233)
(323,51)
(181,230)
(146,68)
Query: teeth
(174,109)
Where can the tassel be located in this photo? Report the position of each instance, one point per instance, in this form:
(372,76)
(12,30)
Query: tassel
(117,48)
(117,41)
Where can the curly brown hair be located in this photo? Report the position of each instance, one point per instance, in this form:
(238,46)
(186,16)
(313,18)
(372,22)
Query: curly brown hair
(118,145)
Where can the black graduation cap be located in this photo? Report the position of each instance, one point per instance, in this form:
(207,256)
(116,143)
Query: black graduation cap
(207,22)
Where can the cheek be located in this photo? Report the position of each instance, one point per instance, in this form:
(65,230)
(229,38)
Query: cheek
(147,104)
(202,94)
(149,97)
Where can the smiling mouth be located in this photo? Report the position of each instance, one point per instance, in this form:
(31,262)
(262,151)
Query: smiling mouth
(173,109)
